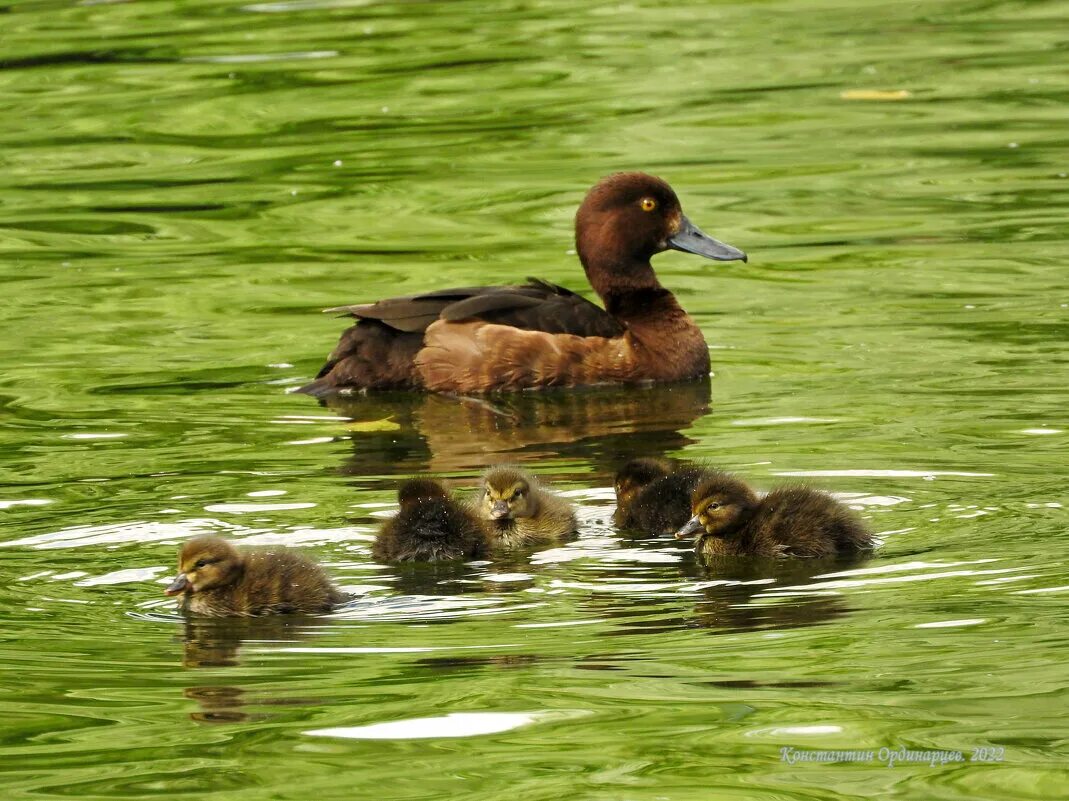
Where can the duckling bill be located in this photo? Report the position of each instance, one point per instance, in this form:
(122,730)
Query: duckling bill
(537,335)
(730,520)
(521,512)
(215,579)
(430,527)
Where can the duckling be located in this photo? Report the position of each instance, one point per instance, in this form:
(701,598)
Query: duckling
(430,527)
(521,512)
(537,335)
(215,579)
(653,496)
(730,520)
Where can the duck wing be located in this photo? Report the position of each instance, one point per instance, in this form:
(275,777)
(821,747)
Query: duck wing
(379,352)
(535,306)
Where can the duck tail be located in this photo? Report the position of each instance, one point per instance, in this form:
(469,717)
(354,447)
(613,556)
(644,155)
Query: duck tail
(321,387)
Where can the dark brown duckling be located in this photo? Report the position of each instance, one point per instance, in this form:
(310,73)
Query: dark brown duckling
(730,520)
(521,512)
(215,579)
(535,335)
(430,527)
(653,495)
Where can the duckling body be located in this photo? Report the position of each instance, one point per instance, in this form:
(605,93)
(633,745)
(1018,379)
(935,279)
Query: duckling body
(215,579)
(480,339)
(521,512)
(653,496)
(430,527)
(730,520)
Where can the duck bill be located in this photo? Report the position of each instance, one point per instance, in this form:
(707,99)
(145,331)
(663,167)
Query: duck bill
(499,510)
(691,528)
(180,584)
(691,239)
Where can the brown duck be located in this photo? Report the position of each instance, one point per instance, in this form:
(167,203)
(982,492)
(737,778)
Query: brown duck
(215,579)
(521,512)
(730,520)
(653,495)
(430,527)
(485,338)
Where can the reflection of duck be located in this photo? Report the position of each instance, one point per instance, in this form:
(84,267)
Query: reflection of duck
(478,339)
(730,520)
(653,496)
(429,527)
(521,511)
(216,580)
(417,433)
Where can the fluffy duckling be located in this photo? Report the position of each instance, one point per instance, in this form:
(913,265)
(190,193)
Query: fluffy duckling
(521,511)
(430,527)
(730,520)
(653,496)
(215,579)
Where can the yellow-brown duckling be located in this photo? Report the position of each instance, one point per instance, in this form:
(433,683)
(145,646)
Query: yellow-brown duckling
(215,579)
(730,520)
(653,495)
(520,511)
(430,527)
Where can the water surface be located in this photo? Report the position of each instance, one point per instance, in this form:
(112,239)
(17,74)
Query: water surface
(185,184)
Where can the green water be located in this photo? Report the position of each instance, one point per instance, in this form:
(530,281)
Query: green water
(183,185)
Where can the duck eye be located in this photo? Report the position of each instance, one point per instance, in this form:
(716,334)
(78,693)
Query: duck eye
(648,204)
(200,563)
(712,507)
(517,495)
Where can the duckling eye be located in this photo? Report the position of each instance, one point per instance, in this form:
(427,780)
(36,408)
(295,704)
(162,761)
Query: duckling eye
(648,204)
(517,495)
(200,563)
(712,507)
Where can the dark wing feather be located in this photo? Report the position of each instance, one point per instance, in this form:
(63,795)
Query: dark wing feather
(482,307)
(535,306)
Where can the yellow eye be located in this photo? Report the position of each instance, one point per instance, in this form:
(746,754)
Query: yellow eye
(648,204)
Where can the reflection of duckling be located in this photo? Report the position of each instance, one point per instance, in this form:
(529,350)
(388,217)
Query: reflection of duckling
(217,580)
(654,498)
(729,520)
(430,527)
(521,511)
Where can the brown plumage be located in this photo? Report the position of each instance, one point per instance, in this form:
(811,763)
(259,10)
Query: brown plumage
(520,512)
(730,520)
(430,527)
(653,495)
(479,339)
(215,579)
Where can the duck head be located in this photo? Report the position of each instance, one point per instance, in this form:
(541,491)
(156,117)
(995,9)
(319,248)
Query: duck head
(636,475)
(418,491)
(507,494)
(204,563)
(720,505)
(626,219)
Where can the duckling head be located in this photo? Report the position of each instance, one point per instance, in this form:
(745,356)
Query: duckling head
(628,217)
(204,563)
(418,491)
(636,475)
(720,505)
(508,493)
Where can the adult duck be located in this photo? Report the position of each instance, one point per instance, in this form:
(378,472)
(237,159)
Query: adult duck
(534,335)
